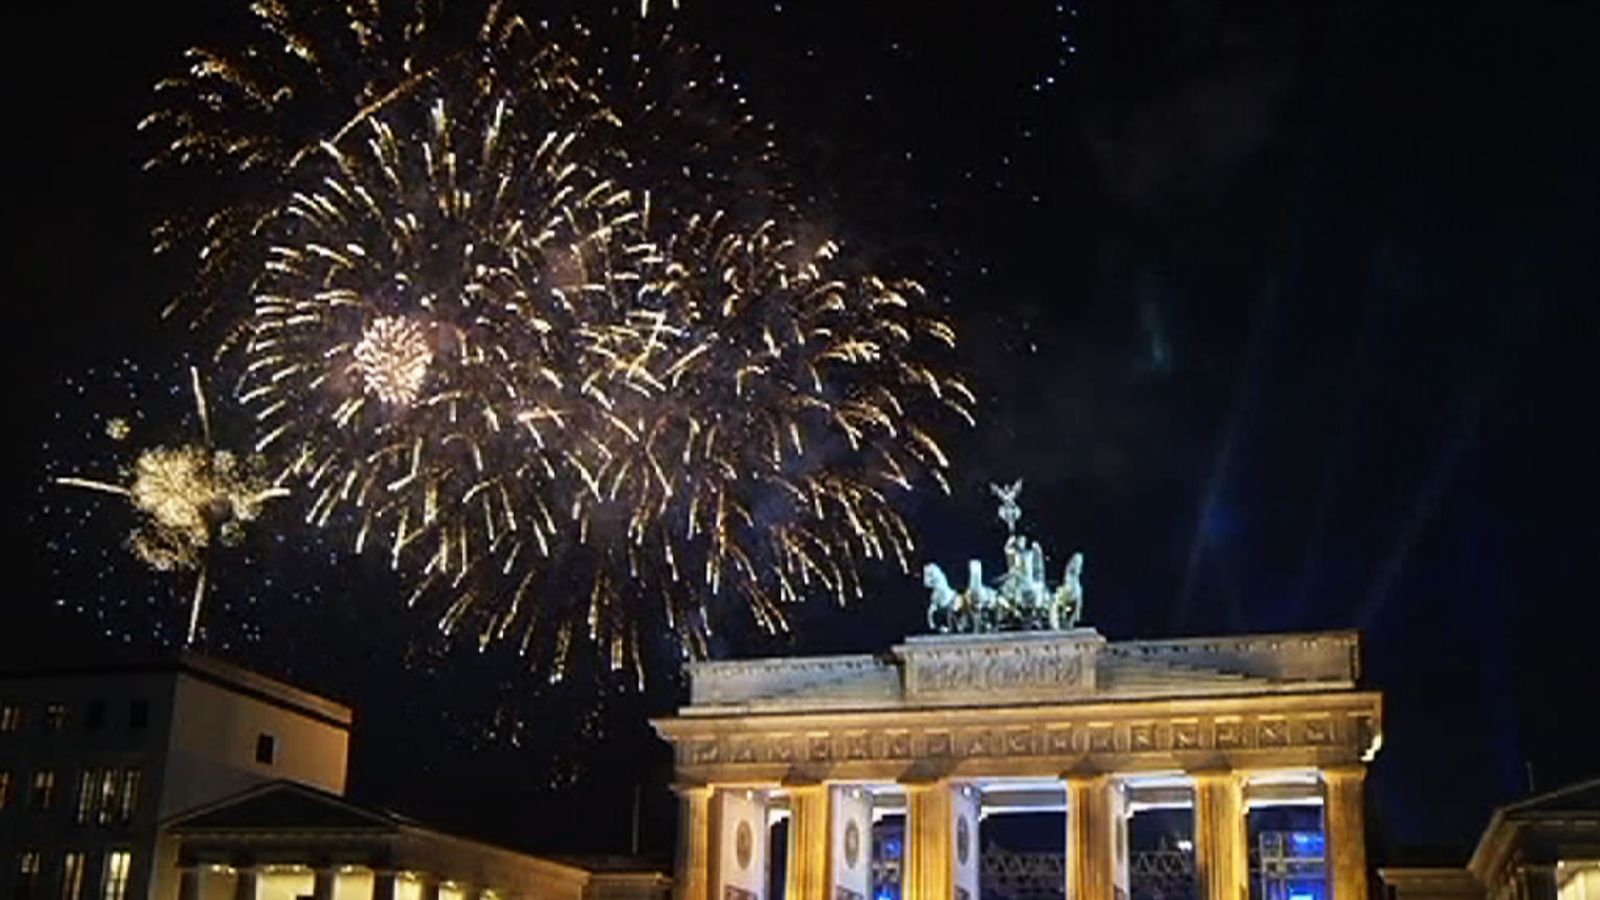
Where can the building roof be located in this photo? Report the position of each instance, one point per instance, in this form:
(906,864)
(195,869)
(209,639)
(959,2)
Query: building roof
(204,668)
(1580,800)
(282,807)
(285,805)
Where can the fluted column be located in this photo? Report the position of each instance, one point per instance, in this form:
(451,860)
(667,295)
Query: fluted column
(1089,851)
(694,844)
(810,843)
(189,883)
(1344,831)
(1221,844)
(427,886)
(244,883)
(383,884)
(322,882)
(1538,881)
(929,872)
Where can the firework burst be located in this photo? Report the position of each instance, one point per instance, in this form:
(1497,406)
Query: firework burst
(508,306)
(190,499)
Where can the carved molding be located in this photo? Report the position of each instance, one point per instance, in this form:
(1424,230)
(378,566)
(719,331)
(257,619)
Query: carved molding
(1342,726)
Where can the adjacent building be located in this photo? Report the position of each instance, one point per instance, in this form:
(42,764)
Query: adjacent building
(191,779)
(1546,847)
(94,758)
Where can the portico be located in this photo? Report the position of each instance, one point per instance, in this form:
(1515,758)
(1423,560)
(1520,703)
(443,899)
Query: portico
(945,729)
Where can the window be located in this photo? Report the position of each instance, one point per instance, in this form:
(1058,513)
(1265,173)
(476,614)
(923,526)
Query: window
(5,788)
(88,790)
(72,876)
(116,875)
(139,715)
(266,749)
(11,717)
(55,717)
(129,804)
(110,789)
(44,789)
(28,865)
(94,718)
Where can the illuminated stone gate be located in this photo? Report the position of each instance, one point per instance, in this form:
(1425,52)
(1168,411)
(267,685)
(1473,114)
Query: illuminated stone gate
(945,728)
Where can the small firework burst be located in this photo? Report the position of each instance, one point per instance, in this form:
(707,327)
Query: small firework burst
(393,356)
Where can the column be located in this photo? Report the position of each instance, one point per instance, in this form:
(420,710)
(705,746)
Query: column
(244,883)
(693,866)
(1538,881)
(1090,854)
(1221,844)
(322,882)
(810,843)
(427,886)
(738,846)
(1344,831)
(928,872)
(188,883)
(383,884)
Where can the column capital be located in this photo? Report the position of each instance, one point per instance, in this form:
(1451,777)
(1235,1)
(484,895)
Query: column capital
(1343,772)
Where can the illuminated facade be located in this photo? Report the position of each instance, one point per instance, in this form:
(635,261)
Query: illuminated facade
(948,732)
(285,841)
(1543,848)
(93,759)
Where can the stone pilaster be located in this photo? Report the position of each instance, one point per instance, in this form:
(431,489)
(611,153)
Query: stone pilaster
(1344,831)
(694,843)
(1221,842)
(929,871)
(810,843)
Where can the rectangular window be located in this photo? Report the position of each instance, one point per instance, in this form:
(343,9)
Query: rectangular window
(139,715)
(5,788)
(94,718)
(110,789)
(72,876)
(55,717)
(44,789)
(116,875)
(11,717)
(28,865)
(88,791)
(266,749)
(129,804)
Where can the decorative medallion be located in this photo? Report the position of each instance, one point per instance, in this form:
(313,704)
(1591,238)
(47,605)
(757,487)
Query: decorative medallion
(852,844)
(743,844)
(963,840)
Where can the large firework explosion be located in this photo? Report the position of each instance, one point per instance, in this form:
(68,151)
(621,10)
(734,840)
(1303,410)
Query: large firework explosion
(530,316)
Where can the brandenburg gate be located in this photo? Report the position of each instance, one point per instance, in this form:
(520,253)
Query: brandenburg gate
(947,727)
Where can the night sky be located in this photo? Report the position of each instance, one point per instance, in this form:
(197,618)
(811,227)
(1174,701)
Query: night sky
(1285,312)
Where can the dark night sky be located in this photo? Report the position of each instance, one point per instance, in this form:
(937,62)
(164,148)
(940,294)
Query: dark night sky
(1284,311)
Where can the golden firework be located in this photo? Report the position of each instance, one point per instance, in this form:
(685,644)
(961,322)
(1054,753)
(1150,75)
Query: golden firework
(393,357)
